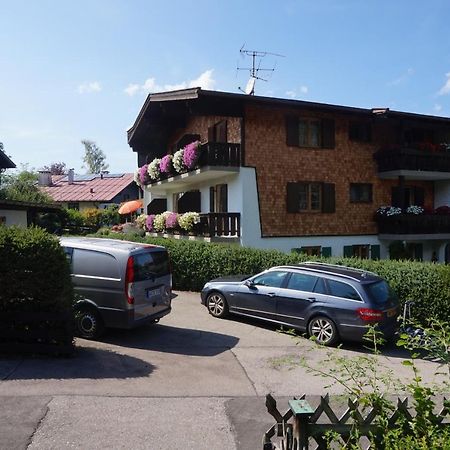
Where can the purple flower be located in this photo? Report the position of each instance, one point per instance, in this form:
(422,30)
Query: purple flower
(165,164)
(143,175)
(190,156)
(149,222)
(171,220)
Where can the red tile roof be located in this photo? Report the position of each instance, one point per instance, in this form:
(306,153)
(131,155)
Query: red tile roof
(88,188)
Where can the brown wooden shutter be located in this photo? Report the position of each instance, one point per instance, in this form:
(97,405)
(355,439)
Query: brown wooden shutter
(221,131)
(211,199)
(292,131)
(292,198)
(328,139)
(223,198)
(328,198)
(211,134)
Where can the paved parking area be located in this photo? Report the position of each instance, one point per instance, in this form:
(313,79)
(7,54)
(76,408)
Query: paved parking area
(190,381)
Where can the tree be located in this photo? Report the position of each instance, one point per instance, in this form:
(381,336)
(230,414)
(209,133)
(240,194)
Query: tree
(23,187)
(57,168)
(94,158)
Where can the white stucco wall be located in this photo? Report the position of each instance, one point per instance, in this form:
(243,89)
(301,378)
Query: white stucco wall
(14,217)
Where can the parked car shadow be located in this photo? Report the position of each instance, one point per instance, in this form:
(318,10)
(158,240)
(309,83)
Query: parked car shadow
(170,339)
(87,362)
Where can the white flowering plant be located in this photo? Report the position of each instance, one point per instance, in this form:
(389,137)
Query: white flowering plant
(177,160)
(414,209)
(159,222)
(141,220)
(153,169)
(188,220)
(389,211)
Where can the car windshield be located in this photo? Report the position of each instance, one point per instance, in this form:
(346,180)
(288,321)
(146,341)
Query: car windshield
(380,292)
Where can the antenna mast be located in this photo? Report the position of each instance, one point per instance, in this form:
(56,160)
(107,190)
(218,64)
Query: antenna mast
(256,68)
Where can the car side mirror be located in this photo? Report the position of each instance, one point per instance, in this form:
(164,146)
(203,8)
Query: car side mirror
(250,284)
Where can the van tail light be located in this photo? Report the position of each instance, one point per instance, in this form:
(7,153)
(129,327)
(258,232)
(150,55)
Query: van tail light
(129,279)
(370,315)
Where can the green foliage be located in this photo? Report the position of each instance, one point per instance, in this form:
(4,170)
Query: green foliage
(34,272)
(94,158)
(57,168)
(195,263)
(23,187)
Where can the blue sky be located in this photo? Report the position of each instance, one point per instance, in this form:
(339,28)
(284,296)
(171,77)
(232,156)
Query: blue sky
(81,70)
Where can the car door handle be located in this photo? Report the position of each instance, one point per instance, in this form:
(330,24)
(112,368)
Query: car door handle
(271,294)
(311,299)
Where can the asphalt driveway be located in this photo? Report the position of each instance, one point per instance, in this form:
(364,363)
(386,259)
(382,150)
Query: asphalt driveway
(190,381)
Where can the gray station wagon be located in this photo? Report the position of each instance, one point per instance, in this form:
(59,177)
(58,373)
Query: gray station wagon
(119,284)
(329,302)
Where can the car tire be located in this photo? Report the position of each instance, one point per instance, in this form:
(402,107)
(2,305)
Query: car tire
(324,330)
(89,324)
(217,305)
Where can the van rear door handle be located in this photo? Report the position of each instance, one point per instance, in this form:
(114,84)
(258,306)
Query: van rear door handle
(271,294)
(311,299)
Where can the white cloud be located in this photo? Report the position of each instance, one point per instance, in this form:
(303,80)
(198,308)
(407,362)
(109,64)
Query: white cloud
(205,80)
(402,78)
(446,88)
(304,89)
(291,94)
(89,87)
(294,94)
(437,108)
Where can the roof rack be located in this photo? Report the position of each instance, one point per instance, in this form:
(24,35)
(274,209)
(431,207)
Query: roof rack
(339,266)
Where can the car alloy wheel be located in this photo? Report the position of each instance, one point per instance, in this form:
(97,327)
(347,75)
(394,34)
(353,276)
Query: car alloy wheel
(323,330)
(217,305)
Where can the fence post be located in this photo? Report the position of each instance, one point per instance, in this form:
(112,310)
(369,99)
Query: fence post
(302,411)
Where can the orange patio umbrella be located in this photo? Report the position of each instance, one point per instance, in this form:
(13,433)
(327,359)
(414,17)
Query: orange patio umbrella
(131,206)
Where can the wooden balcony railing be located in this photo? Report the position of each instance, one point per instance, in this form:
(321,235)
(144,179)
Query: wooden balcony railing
(414,224)
(220,154)
(219,225)
(412,159)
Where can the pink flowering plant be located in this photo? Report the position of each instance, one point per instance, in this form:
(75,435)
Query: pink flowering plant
(149,222)
(165,165)
(171,220)
(191,154)
(143,174)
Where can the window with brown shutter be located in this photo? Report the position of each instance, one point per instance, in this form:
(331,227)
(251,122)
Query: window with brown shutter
(310,132)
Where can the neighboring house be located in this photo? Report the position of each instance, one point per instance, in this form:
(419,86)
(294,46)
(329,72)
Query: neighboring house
(89,191)
(288,174)
(15,212)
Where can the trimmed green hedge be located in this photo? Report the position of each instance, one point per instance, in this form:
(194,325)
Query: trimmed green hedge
(194,263)
(36,294)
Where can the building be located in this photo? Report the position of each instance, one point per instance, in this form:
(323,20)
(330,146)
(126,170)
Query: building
(88,191)
(288,174)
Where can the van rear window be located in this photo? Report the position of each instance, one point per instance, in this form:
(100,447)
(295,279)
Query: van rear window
(150,265)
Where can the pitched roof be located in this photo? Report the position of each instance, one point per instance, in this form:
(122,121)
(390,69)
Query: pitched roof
(5,161)
(88,188)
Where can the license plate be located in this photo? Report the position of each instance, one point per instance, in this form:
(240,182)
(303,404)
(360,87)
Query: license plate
(153,293)
(391,312)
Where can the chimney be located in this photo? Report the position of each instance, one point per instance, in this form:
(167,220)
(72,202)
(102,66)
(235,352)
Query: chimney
(70,176)
(45,178)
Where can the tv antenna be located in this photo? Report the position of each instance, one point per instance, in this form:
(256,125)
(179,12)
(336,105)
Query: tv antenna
(256,68)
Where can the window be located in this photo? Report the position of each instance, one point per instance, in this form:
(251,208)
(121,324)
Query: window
(95,264)
(343,290)
(360,193)
(271,279)
(360,132)
(302,282)
(407,196)
(73,205)
(357,251)
(310,197)
(218,198)
(218,132)
(310,132)
(310,251)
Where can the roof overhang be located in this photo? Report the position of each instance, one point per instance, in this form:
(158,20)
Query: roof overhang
(5,161)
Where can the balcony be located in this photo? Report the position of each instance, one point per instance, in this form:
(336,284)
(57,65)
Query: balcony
(216,159)
(410,226)
(213,227)
(413,164)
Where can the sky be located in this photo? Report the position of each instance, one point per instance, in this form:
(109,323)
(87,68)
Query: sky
(74,70)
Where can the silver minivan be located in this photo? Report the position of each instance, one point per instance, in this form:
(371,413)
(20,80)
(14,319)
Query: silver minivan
(118,283)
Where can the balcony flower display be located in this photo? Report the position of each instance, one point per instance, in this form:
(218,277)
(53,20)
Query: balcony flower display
(191,154)
(143,174)
(388,211)
(136,177)
(414,209)
(188,220)
(149,222)
(159,222)
(165,165)
(153,169)
(177,160)
(171,220)
(141,220)
(443,210)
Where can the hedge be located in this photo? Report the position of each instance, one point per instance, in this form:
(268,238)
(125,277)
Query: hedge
(194,263)
(36,294)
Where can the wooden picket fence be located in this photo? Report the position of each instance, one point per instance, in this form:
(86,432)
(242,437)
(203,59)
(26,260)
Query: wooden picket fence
(309,426)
